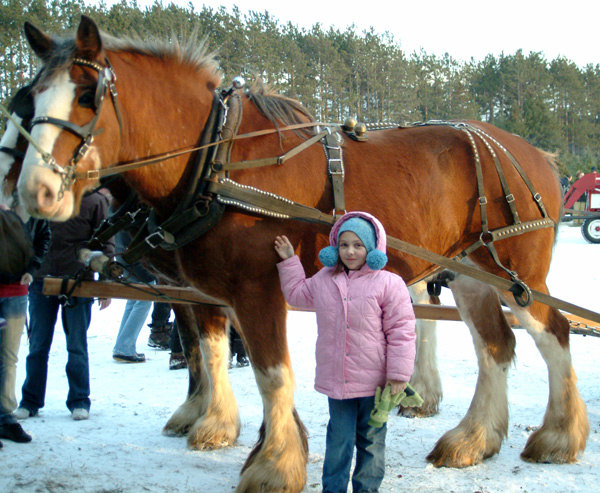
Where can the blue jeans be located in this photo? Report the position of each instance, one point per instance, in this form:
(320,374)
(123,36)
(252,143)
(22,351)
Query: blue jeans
(348,428)
(13,309)
(132,322)
(43,312)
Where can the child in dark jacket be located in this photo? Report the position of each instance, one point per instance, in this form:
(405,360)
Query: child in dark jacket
(366,339)
(13,309)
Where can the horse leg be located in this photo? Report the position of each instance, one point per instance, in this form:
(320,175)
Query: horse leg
(198,395)
(480,433)
(211,402)
(563,434)
(278,461)
(426,377)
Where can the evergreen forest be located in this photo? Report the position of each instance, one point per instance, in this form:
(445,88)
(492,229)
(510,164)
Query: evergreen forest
(554,104)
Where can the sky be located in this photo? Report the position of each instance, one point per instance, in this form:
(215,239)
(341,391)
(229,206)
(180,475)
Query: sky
(464,29)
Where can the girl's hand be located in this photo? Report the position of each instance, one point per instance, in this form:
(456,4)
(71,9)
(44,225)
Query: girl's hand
(397,386)
(284,247)
(26,279)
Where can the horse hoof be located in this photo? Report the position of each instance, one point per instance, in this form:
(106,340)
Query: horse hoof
(211,435)
(214,444)
(260,477)
(177,426)
(464,447)
(548,447)
(425,411)
(172,432)
(440,459)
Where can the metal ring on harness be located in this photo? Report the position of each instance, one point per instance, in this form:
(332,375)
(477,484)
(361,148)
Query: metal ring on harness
(65,298)
(434,288)
(521,293)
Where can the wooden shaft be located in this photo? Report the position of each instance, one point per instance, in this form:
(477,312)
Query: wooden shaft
(173,294)
(130,291)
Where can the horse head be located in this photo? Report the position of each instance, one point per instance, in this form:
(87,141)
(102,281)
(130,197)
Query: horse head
(13,144)
(67,118)
(85,119)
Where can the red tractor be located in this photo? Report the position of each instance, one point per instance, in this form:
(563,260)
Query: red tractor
(589,185)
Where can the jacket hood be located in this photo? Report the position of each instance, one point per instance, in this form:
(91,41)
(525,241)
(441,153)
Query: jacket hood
(376,258)
(377,226)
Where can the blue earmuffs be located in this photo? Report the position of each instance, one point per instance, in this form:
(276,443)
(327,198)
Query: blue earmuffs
(362,228)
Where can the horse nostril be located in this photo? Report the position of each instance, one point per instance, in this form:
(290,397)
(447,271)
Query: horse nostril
(45,197)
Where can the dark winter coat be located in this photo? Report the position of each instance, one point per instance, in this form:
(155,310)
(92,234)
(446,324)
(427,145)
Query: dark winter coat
(40,234)
(68,237)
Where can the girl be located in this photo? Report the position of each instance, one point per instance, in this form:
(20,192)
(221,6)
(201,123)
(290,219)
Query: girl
(366,339)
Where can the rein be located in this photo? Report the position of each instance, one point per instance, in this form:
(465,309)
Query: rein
(116,169)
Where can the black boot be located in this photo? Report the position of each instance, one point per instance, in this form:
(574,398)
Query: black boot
(14,432)
(242,361)
(159,336)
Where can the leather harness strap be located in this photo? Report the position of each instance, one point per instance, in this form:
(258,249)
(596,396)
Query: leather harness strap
(335,168)
(257,163)
(254,200)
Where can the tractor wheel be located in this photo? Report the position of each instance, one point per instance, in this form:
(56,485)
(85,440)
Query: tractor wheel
(591,229)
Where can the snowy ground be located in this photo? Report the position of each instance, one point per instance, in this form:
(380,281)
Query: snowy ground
(120,448)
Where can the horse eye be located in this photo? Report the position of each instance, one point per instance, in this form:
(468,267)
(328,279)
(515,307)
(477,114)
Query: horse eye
(86,100)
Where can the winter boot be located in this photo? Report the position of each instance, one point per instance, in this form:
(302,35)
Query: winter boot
(177,361)
(159,336)
(242,361)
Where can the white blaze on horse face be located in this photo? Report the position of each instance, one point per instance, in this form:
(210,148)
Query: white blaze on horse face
(39,185)
(9,140)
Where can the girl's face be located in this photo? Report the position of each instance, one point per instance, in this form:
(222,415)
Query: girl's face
(352,252)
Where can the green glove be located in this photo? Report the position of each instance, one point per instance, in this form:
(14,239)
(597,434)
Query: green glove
(410,397)
(385,402)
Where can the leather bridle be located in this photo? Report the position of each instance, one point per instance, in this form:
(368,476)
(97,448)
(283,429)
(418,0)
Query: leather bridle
(106,83)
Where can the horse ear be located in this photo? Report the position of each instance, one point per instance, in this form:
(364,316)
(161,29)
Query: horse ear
(40,43)
(88,40)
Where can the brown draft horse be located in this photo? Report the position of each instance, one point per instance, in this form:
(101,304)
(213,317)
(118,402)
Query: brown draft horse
(420,182)
(200,393)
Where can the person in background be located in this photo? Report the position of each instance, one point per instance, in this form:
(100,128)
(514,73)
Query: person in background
(136,311)
(160,327)
(366,339)
(236,348)
(581,201)
(165,335)
(177,359)
(62,260)
(14,288)
(565,183)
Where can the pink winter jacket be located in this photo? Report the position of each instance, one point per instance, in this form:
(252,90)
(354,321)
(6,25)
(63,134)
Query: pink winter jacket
(366,324)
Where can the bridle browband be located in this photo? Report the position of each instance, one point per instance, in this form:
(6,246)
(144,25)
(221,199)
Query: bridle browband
(106,83)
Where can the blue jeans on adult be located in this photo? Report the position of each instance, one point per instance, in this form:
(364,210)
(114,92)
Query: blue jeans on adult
(132,322)
(43,312)
(13,309)
(349,428)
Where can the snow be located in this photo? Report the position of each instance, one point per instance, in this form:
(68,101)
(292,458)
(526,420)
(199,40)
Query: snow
(121,448)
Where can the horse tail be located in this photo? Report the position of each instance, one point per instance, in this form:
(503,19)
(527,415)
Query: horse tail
(552,160)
